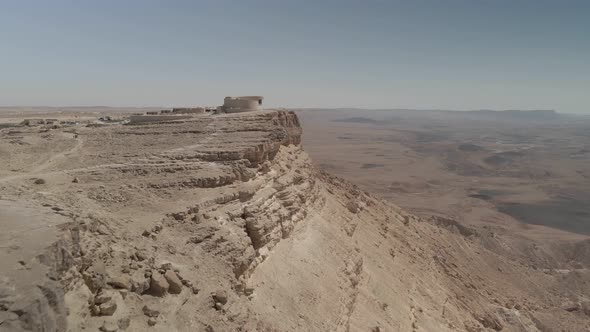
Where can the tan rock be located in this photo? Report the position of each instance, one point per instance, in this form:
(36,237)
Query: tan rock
(218,306)
(158,284)
(95,277)
(103,297)
(140,284)
(123,323)
(352,207)
(140,255)
(173,281)
(570,306)
(109,327)
(491,322)
(94,310)
(150,311)
(220,296)
(120,282)
(108,308)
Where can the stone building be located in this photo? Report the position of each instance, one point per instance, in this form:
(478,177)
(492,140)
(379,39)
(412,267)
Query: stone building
(33,122)
(241,104)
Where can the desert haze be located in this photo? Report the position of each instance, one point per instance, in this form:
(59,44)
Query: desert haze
(531,165)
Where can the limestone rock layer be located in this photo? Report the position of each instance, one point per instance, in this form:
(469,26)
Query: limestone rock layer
(223,223)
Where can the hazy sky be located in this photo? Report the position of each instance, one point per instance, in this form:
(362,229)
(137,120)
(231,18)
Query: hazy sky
(471,54)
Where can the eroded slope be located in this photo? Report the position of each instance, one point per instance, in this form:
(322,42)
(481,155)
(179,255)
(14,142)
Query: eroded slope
(223,224)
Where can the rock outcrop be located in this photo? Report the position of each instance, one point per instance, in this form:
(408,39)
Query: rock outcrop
(222,223)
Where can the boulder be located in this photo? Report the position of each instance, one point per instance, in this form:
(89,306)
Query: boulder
(173,281)
(220,296)
(158,284)
(140,255)
(94,310)
(140,284)
(94,277)
(109,327)
(108,308)
(570,306)
(166,266)
(352,206)
(102,230)
(123,323)
(406,220)
(119,282)
(491,322)
(103,297)
(150,311)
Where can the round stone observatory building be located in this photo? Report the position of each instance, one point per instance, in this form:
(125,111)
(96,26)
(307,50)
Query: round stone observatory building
(242,104)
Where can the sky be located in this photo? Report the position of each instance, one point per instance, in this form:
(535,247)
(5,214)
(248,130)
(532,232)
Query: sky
(452,54)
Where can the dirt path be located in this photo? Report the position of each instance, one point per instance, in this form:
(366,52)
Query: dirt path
(46,164)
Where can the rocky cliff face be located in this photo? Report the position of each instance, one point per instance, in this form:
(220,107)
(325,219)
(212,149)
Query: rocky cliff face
(223,224)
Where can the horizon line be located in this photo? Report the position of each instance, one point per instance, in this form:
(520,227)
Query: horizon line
(303,108)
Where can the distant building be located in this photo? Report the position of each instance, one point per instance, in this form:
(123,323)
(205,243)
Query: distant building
(165,111)
(241,104)
(155,118)
(38,122)
(33,122)
(68,122)
(152,113)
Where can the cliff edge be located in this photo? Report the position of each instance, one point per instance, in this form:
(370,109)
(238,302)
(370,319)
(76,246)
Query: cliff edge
(223,223)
